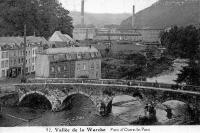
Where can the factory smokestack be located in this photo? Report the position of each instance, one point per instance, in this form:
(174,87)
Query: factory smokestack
(133,17)
(82,13)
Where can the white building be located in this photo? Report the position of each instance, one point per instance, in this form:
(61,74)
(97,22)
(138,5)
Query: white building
(84,33)
(60,40)
(12,57)
(4,62)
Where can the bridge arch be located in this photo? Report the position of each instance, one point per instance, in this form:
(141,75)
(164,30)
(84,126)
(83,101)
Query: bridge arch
(78,93)
(37,93)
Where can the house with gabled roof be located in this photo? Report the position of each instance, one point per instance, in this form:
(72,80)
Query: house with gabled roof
(60,40)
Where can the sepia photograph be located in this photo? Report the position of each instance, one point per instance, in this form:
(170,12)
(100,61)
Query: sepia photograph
(99,63)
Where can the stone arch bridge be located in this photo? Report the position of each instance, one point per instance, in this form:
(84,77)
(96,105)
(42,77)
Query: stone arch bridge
(101,92)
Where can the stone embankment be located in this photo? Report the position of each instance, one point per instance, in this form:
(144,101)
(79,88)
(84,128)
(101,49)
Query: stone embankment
(8,95)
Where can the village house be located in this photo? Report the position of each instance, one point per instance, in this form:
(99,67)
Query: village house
(12,55)
(4,61)
(71,62)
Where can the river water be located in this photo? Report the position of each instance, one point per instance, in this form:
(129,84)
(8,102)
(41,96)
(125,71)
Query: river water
(169,76)
(82,113)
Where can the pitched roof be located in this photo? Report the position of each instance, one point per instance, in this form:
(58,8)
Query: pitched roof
(61,37)
(71,50)
(34,39)
(9,40)
(18,40)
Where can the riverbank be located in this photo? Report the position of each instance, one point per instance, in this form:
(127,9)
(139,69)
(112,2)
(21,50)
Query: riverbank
(168,76)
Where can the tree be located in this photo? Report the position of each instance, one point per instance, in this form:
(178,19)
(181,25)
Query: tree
(190,74)
(42,17)
(182,42)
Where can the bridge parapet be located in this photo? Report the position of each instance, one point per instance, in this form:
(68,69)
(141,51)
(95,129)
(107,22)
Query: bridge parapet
(116,82)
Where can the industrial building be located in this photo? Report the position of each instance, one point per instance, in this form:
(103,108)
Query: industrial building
(133,34)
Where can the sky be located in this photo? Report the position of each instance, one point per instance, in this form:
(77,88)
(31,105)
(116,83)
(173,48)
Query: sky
(107,6)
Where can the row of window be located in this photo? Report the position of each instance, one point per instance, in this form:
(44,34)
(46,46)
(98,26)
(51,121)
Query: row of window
(75,56)
(79,67)
(53,68)
(4,55)
(15,61)
(30,69)
(14,53)
(83,66)
(20,60)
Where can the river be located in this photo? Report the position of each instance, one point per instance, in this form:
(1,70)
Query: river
(169,76)
(82,113)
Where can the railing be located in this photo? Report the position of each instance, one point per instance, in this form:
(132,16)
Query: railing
(116,82)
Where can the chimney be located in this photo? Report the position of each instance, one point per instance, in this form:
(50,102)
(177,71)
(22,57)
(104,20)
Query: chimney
(82,13)
(133,17)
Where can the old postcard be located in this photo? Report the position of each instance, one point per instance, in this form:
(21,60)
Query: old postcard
(99,66)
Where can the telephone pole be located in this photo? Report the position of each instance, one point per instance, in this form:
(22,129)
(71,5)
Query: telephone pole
(24,56)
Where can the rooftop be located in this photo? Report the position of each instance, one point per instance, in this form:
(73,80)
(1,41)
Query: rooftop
(70,50)
(60,37)
(16,42)
(9,40)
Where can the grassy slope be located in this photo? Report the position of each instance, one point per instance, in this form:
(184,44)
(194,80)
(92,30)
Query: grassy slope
(162,14)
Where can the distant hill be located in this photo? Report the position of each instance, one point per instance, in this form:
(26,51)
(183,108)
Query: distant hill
(165,13)
(99,19)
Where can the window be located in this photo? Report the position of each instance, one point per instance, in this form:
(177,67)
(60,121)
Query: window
(11,62)
(4,55)
(97,66)
(3,73)
(15,62)
(78,67)
(97,74)
(84,66)
(92,66)
(2,64)
(33,68)
(59,69)
(52,69)
(65,68)
(79,55)
(6,64)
